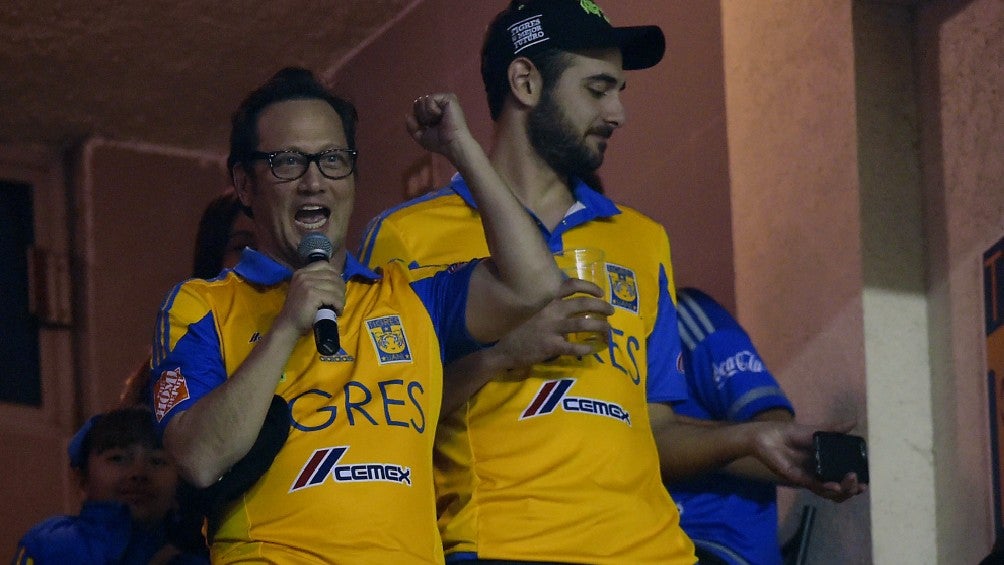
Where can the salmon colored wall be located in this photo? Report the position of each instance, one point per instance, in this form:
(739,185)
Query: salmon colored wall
(962,79)
(36,477)
(792,134)
(138,211)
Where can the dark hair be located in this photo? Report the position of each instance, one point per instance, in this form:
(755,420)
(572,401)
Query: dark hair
(290,83)
(495,70)
(214,234)
(123,427)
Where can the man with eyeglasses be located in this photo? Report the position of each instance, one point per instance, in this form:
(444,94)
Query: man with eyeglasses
(353,481)
(291,165)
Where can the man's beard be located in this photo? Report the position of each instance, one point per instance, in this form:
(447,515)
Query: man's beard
(556,141)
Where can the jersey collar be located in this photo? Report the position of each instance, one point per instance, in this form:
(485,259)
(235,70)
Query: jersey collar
(259,268)
(591,204)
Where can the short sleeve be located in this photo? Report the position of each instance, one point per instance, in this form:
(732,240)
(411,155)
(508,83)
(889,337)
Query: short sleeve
(666,381)
(187,363)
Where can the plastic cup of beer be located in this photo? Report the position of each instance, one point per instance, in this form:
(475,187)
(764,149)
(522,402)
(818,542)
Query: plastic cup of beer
(587,264)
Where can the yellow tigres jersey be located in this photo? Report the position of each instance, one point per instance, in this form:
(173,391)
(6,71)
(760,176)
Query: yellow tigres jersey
(559,465)
(353,483)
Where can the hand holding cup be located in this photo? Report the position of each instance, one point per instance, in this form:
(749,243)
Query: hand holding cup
(589,265)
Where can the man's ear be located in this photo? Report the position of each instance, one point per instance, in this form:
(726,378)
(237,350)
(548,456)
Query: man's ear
(242,184)
(525,83)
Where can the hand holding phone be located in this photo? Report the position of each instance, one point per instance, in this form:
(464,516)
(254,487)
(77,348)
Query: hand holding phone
(837,454)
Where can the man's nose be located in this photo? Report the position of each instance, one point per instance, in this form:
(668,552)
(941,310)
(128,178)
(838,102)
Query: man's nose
(312,179)
(614,112)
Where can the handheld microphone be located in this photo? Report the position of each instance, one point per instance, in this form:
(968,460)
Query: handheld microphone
(315,247)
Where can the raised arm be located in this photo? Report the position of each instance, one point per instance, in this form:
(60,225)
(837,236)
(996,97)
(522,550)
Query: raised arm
(521,276)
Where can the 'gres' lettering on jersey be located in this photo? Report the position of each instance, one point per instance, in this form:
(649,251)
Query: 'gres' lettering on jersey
(389,403)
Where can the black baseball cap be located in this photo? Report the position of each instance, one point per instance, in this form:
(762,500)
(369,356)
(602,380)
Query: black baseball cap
(528,26)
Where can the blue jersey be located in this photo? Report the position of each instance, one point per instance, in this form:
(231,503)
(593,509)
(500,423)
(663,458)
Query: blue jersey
(101,534)
(733,518)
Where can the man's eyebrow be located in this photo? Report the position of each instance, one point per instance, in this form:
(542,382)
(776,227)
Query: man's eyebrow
(607,78)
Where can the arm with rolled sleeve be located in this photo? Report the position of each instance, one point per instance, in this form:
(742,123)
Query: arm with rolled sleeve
(210,421)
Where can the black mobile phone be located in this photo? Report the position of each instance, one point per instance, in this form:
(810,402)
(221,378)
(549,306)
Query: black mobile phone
(837,454)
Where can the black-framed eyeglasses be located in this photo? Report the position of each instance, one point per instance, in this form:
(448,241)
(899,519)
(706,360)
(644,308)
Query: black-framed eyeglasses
(290,165)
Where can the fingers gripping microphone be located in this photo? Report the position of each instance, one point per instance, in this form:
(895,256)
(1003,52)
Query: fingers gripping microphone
(315,247)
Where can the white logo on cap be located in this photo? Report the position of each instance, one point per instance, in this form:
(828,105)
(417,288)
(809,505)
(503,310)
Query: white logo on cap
(526,33)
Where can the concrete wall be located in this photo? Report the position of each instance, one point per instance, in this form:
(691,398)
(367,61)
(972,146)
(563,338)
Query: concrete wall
(893,236)
(789,77)
(125,230)
(961,77)
(137,211)
(36,477)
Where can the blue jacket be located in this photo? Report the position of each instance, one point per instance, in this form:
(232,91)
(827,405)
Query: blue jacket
(102,534)
(732,518)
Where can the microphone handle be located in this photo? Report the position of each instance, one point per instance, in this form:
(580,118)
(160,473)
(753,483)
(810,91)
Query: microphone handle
(326,331)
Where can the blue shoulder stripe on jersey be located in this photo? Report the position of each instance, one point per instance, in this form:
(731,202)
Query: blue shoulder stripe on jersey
(597,204)
(365,251)
(161,331)
(695,323)
(665,381)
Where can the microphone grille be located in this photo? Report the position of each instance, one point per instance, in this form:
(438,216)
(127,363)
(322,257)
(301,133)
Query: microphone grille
(313,244)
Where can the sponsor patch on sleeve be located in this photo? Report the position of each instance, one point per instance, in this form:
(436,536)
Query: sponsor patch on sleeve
(170,390)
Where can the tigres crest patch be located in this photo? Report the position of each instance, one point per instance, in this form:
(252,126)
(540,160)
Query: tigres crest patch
(389,339)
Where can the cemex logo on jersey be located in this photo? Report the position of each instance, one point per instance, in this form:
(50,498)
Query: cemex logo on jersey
(553,393)
(170,390)
(323,463)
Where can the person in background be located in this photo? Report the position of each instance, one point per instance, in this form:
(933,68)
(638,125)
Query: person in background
(561,462)
(353,481)
(731,519)
(128,514)
(225,229)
